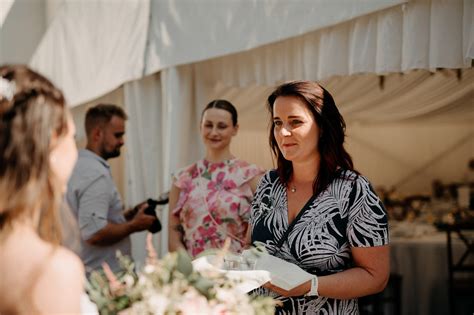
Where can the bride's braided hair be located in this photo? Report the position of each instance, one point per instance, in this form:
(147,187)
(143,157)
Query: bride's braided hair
(32,110)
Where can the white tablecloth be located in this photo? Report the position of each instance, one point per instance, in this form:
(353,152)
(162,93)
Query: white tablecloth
(422,262)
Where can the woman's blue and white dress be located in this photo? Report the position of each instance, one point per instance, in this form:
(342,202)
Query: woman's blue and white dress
(348,213)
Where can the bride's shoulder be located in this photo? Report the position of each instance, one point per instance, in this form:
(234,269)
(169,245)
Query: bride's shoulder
(64,262)
(51,276)
(24,253)
(62,276)
(62,267)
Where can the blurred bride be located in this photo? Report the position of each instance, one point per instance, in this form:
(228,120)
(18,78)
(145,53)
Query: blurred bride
(37,155)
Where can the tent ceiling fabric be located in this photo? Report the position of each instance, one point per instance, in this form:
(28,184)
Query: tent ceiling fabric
(183,32)
(5,7)
(87,53)
(418,35)
(92,47)
(419,96)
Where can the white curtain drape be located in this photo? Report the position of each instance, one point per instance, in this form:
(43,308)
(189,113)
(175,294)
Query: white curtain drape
(160,138)
(183,31)
(418,35)
(93,47)
(445,96)
(144,170)
(5,7)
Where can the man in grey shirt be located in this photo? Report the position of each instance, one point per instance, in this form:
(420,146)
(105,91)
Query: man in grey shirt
(93,197)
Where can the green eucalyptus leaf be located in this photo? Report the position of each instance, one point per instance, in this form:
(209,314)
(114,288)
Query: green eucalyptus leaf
(184,263)
(204,286)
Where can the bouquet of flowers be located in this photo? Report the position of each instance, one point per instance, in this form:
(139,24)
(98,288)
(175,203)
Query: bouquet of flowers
(171,286)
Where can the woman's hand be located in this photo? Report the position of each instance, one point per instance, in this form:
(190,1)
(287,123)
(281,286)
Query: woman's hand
(298,291)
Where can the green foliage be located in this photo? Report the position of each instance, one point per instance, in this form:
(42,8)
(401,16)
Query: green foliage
(167,286)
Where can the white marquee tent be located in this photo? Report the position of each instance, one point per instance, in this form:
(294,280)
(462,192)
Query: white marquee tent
(400,71)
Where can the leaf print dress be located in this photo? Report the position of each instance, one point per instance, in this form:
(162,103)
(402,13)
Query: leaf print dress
(346,214)
(214,203)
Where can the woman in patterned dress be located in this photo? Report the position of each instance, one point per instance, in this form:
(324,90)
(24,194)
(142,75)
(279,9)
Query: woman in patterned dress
(210,199)
(315,210)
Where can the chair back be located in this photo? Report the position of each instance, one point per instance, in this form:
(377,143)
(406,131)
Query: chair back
(460,265)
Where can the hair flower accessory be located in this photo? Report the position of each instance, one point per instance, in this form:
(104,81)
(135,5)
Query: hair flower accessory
(7,89)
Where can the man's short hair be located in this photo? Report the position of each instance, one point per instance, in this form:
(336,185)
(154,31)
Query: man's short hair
(101,114)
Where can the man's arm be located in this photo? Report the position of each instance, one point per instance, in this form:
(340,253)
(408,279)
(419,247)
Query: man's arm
(129,214)
(115,232)
(93,212)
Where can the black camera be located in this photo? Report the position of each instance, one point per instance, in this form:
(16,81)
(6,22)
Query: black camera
(150,210)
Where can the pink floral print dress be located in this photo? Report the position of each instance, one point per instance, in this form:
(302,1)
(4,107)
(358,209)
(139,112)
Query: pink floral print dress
(214,203)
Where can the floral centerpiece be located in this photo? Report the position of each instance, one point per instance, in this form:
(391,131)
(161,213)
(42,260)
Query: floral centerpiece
(171,286)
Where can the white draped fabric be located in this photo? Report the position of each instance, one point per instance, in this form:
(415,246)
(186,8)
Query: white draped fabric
(160,138)
(417,35)
(184,31)
(144,172)
(443,97)
(5,7)
(93,47)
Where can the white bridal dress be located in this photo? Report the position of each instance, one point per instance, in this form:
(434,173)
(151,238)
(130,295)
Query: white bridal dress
(87,306)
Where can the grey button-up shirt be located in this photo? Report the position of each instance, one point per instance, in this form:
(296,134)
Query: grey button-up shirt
(95,201)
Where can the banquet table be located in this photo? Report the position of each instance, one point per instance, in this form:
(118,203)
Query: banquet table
(422,263)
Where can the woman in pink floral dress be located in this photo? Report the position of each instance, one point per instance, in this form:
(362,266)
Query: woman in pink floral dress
(210,199)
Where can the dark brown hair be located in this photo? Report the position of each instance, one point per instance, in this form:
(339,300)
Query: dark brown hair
(101,114)
(332,132)
(32,110)
(225,105)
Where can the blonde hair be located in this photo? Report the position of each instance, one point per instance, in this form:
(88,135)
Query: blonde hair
(32,111)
